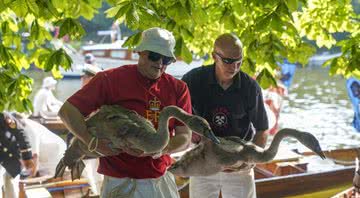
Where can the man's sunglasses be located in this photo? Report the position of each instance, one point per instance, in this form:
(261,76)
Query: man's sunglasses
(228,60)
(153,56)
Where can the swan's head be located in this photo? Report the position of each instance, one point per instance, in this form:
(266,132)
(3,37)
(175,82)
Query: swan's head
(310,141)
(199,125)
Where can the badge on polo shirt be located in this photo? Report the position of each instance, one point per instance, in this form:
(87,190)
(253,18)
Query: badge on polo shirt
(220,117)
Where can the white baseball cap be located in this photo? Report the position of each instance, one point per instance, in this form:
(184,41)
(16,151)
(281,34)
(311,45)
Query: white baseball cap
(91,69)
(49,82)
(157,40)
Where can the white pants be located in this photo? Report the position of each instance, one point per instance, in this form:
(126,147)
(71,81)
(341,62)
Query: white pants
(8,185)
(162,187)
(239,184)
(95,179)
(49,156)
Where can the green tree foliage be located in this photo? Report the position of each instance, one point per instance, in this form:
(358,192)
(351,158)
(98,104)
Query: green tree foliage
(270,31)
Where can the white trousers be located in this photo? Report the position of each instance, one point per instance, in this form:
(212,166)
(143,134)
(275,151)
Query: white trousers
(8,185)
(162,187)
(95,179)
(239,184)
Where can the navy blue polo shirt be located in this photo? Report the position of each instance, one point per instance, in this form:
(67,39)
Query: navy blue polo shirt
(237,111)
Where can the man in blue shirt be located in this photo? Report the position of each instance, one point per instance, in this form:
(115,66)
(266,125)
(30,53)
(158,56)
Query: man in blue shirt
(353,87)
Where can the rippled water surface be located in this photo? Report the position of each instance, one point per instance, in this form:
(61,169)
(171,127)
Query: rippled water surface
(319,104)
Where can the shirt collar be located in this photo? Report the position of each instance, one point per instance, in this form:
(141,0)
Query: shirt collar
(146,81)
(212,78)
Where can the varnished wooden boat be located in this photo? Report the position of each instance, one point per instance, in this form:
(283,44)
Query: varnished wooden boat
(54,125)
(56,188)
(349,192)
(281,179)
(286,176)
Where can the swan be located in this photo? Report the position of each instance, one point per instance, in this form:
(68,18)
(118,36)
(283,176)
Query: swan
(125,128)
(208,158)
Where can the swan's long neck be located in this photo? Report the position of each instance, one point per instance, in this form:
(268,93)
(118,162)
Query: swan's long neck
(269,154)
(165,115)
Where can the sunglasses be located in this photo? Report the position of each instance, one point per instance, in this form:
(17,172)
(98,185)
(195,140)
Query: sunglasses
(153,56)
(229,60)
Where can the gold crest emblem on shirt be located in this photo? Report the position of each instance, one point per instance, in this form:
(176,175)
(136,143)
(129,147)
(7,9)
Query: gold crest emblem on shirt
(152,114)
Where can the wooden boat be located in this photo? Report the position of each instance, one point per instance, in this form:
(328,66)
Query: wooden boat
(54,125)
(57,188)
(350,192)
(111,55)
(288,176)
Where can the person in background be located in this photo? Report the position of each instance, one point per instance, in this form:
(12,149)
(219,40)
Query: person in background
(353,88)
(89,72)
(47,147)
(287,73)
(15,152)
(89,58)
(231,101)
(46,105)
(145,89)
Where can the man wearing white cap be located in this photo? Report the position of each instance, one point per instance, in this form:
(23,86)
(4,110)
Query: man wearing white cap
(146,89)
(45,103)
(89,72)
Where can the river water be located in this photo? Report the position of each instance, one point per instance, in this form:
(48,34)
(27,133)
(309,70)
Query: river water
(316,103)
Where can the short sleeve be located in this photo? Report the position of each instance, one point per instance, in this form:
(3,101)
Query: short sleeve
(256,109)
(183,101)
(94,94)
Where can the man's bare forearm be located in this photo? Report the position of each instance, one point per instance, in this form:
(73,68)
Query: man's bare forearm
(74,121)
(260,138)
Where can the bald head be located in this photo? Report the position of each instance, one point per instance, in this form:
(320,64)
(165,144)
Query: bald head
(228,55)
(228,43)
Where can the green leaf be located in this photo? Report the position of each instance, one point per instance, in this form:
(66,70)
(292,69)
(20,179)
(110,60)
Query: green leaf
(5,55)
(71,27)
(120,10)
(182,51)
(178,13)
(264,21)
(87,10)
(265,79)
(33,7)
(186,34)
(27,104)
(132,17)
(34,31)
(276,23)
(19,7)
(292,5)
(58,58)
(200,16)
(133,40)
